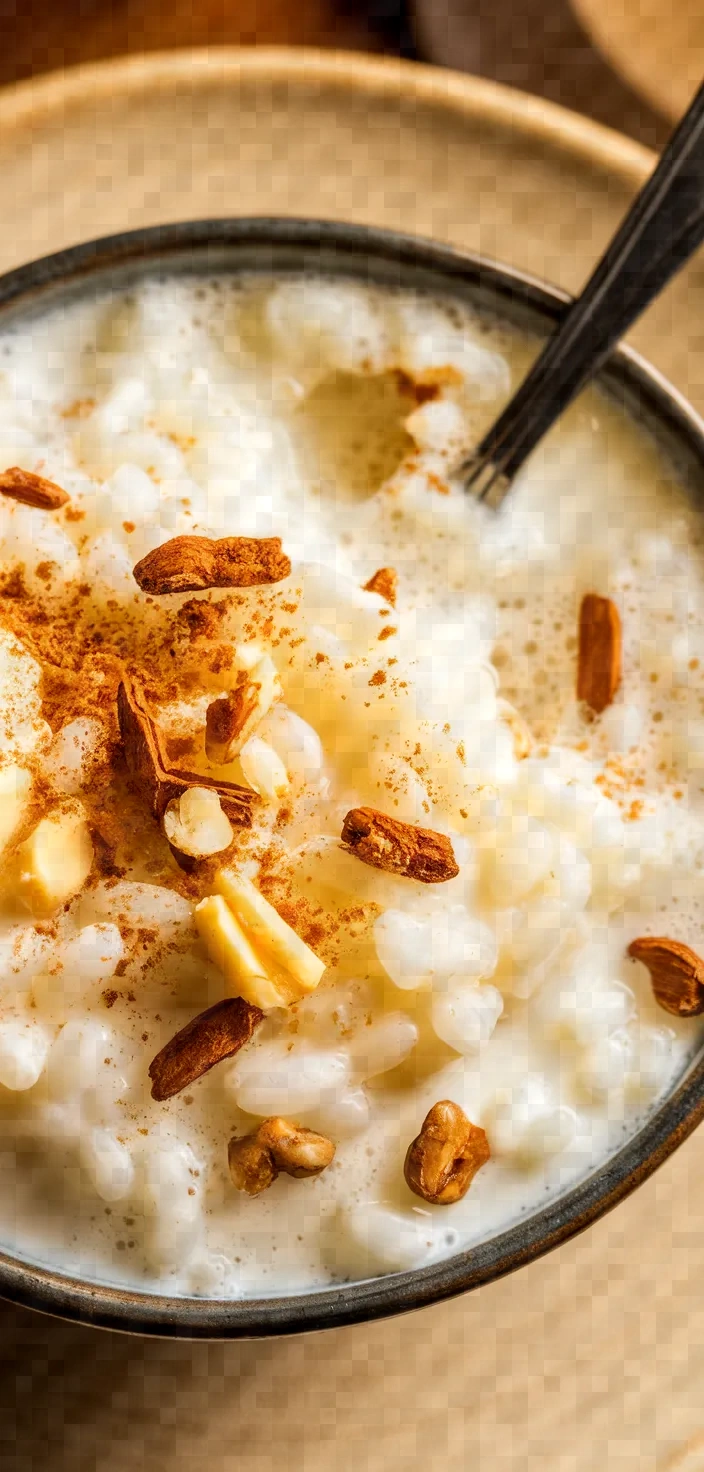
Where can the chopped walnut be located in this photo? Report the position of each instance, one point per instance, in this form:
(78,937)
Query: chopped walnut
(444,1158)
(277,1145)
(401,848)
(189,564)
(676,973)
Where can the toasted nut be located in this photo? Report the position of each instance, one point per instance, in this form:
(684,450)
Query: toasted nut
(384,582)
(676,972)
(401,848)
(203,1042)
(32,490)
(599,659)
(189,564)
(146,762)
(55,861)
(286,955)
(444,1158)
(196,825)
(15,784)
(256,1160)
(228,947)
(232,719)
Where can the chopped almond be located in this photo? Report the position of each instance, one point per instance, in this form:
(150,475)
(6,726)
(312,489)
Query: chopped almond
(203,1042)
(676,973)
(599,660)
(189,564)
(401,848)
(32,490)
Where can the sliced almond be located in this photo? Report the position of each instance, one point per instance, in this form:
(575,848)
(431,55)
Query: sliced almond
(400,848)
(676,973)
(599,659)
(32,490)
(206,1040)
(273,938)
(229,948)
(189,564)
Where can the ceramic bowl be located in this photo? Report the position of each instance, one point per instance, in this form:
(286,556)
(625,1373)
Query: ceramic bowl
(373,255)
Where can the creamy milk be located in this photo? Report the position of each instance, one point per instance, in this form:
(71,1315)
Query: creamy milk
(332,415)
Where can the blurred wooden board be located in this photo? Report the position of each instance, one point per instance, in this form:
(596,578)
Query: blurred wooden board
(590,1358)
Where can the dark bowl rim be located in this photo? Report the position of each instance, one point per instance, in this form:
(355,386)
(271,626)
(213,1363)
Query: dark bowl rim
(371,253)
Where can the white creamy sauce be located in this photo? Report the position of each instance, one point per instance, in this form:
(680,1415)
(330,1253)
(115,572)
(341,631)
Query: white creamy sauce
(288,409)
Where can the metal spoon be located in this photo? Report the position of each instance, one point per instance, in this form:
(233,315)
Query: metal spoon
(662,229)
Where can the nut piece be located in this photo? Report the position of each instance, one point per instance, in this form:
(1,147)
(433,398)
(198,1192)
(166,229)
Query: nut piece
(260,956)
(231,719)
(32,490)
(264,770)
(15,784)
(196,825)
(203,1042)
(256,1160)
(189,564)
(147,765)
(228,948)
(444,1158)
(55,861)
(384,582)
(287,957)
(599,659)
(401,848)
(676,972)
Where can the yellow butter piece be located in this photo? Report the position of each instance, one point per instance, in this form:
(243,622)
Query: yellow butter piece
(229,949)
(275,940)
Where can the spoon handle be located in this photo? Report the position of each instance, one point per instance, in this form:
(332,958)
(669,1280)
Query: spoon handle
(662,229)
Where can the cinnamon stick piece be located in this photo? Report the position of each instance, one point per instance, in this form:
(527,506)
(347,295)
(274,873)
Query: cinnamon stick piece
(146,762)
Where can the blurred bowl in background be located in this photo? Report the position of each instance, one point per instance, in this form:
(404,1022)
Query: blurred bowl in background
(656,45)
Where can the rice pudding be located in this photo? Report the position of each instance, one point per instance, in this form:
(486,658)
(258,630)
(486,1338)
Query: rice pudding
(352,832)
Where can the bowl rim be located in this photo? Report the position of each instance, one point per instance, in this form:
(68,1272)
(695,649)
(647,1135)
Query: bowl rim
(271,244)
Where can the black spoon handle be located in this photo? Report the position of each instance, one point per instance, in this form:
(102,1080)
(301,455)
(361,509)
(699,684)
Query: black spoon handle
(663,228)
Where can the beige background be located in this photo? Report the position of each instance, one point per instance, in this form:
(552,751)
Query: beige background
(592,1358)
